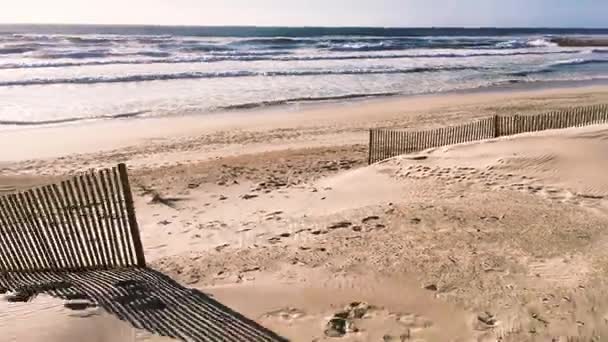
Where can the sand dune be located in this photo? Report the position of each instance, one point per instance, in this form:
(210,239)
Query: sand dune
(567,165)
(493,240)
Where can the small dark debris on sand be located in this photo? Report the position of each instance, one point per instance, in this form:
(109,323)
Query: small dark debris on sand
(431,287)
(370,218)
(343,322)
(79,305)
(221,247)
(341,224)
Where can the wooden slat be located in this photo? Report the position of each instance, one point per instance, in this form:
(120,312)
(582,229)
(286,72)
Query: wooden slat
(106,220)
(389,150)
(98,222)
(43,226)
(77,215)
(121,241)
(53,229)
(465,132)
(370,146)
(76,226)
(390,147)
(86,213)
(385,146)
(573,117)
(89,204)
(380,145)
(441,136)
(397,143)
(423,144)
(54,211)
(13,233)
(373,146)
(472,132)
(13,260)
(26,231)
(6,259)
(460,134)
(70,227)
(38,233)
(393,144)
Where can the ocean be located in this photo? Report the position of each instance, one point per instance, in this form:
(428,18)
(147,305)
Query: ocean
(51,74)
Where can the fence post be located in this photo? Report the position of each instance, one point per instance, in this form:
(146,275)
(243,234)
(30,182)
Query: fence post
(139,250)
(369,157)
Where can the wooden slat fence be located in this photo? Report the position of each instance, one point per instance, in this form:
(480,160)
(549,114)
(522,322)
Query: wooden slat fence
(79,239)
(385,144)
(83,223)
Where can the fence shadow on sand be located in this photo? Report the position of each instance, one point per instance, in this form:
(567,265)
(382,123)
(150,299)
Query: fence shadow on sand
(146,299)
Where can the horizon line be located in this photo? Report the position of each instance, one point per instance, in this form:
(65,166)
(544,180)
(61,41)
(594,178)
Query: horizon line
(308,26)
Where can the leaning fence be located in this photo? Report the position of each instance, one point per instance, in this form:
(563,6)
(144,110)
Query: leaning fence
(384,143)
(83,223)
(79,239)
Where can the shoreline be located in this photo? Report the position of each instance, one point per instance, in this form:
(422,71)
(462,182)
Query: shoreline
(245,130)
(296,103)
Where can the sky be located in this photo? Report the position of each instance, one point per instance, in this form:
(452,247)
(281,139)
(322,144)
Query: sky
(395,13)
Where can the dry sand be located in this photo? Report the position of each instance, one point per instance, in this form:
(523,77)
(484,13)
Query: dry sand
(277,216)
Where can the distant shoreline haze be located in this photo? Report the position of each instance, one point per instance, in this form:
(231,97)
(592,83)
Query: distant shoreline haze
(280,31)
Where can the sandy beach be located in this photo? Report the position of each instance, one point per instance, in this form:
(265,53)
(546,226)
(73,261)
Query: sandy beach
(276,214)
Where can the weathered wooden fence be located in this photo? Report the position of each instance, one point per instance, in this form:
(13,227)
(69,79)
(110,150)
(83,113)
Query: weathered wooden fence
(83,223)
(384,143)
(79,240)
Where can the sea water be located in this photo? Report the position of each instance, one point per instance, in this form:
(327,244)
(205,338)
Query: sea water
(51,74)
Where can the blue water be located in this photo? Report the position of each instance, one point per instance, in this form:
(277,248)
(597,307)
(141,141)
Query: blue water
(53,73)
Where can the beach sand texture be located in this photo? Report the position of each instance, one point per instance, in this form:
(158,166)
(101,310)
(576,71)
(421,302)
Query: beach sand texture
(276,215)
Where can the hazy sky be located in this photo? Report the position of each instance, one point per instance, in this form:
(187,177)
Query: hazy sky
(563,13)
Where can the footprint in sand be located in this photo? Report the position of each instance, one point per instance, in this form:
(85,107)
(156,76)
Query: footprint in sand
(285,314)
(414,322)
